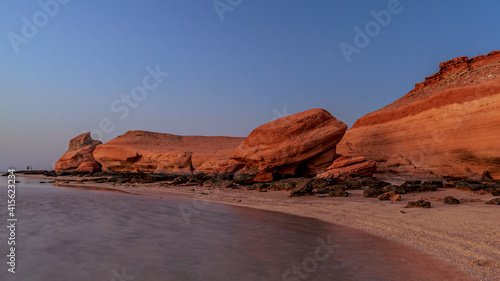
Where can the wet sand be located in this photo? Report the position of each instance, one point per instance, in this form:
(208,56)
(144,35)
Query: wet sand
(466,236)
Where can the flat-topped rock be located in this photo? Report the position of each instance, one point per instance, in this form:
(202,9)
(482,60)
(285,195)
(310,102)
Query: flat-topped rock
(143,151)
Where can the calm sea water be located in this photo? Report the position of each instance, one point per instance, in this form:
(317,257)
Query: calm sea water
(78,234)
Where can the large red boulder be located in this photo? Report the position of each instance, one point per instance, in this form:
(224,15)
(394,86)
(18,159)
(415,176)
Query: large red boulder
(285,145)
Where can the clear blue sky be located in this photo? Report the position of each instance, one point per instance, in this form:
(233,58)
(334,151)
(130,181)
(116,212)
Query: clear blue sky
(229,71)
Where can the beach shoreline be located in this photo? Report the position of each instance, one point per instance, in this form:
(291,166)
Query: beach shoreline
(450,233)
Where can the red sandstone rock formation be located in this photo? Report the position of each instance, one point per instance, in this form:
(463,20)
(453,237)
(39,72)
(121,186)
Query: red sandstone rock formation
(141,151)
(79,155)
(448,125)
(305,139)
(349,166)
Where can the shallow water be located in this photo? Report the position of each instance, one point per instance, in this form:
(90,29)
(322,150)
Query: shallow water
(77,234)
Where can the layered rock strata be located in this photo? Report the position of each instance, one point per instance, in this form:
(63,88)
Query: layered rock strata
(449,125)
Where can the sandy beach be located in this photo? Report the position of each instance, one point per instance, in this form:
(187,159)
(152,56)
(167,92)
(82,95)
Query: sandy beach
(466,236)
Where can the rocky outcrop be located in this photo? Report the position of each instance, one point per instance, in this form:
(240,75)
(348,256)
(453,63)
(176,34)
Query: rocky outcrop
(349,166)
(446,126)
(298,144)
(142,151)
(79,156)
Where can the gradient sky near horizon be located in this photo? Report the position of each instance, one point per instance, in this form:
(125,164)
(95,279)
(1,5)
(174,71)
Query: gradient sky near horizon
(227,75)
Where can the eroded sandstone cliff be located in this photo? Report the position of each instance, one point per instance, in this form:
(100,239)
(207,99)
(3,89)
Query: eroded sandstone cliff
(449,125)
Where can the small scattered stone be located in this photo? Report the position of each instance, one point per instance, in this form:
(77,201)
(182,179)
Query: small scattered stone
(224,184)
(399,189)
(372,192)
(451,200)
(208,183)
(418,204)
(389,188)
(338,193)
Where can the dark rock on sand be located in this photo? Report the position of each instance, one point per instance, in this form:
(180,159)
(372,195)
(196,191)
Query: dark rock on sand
(419,204)
(99,180)
(495,201)
(243,177)
(470,185)
(432,185)
(412,186)
(451,200)
(418,186)
(330,188)
(389,188)
(30,172)
(399,189)
(338,193)
(354,183)
(302,188)
(50,174)
(494,189)
(373,182)
(209,183)
(372,192)
(319,184)
(290,184)
(259,185)
(199,177)
(224,183)
(180,180)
